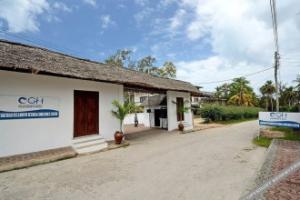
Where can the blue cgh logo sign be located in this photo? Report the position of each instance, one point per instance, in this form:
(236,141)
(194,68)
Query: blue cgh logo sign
(31,100)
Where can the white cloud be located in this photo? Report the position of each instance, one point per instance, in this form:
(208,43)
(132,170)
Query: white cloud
(178,19)
(24,15)
(90,2)
(106,21)
(21,15)
(240,35)
(61,6)
(143,14)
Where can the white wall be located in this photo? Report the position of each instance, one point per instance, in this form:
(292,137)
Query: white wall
(143,118)
(172,115)
(29,135)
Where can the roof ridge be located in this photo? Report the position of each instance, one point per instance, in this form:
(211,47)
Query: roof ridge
(110,73)
(49,50)
(83,59)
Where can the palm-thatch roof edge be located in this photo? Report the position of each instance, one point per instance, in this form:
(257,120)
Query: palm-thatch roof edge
(31,59)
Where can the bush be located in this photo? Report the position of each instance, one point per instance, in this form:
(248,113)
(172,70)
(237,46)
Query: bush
(225,113)
(289,109)
(195,108)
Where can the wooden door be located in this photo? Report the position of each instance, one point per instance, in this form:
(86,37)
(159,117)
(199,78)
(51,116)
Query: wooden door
(179,104)
(86,113)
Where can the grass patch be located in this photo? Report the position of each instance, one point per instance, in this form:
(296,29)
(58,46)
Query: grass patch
(262,141)
(289,134)
(286,130)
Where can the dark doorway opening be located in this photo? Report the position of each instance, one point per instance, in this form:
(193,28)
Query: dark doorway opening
(157,115)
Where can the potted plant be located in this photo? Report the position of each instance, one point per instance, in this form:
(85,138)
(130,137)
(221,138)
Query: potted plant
(181,110)
(120,113)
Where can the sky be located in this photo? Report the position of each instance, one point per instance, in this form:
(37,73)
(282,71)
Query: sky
(208,40)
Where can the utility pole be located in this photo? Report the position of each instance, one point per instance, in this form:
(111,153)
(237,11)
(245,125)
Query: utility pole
(276,54)
(276,68)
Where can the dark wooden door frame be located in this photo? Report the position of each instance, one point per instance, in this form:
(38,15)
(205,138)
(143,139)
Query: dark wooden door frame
(179,103)
(86,113)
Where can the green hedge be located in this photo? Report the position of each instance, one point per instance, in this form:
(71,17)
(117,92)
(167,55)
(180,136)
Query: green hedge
(225,113)
(295,108)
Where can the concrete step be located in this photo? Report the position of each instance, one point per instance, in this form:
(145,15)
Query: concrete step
(89,144)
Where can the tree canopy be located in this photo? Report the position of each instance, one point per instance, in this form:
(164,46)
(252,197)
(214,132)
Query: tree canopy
(122,58)
(239,92)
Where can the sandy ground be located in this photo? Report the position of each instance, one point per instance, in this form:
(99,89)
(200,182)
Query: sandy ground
(198,124)
(217,163)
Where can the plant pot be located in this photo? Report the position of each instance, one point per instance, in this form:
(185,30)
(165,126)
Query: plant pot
(180,127)
(118,137)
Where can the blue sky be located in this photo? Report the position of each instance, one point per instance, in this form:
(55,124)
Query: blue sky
(208,40)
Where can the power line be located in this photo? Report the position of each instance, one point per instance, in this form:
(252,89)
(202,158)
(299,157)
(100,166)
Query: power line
(231,79)
(40,43)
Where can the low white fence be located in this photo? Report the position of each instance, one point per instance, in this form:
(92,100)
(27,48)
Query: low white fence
(143,118)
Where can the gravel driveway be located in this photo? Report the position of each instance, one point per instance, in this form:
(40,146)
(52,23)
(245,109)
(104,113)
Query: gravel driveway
(217,163)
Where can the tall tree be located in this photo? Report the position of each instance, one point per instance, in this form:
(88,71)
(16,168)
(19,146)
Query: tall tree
(146,65)
(120,59)
(268,90)
(222,91)
(168,70)
(297,88)
(241,93)
(289,95)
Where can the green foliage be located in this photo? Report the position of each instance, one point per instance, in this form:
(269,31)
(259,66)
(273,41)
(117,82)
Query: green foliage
(122,58)
(121,110)
(268,90)
(225,113)
(183,109)
(262,141)
(168,70)
(289,108)
(238,92)
(289,134)
(286,130)
(222,92)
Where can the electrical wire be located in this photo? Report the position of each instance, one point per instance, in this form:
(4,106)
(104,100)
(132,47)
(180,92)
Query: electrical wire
(245,75)
(40,43)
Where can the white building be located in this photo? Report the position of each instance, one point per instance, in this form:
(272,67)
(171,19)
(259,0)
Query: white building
(50,100)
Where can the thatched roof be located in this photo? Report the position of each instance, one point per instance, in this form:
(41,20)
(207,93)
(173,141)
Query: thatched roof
(30,59)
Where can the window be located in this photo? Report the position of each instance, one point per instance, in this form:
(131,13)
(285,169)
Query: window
(179,104)
(142,99)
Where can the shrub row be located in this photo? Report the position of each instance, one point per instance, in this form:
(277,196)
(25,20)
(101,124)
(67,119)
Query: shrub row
(295,108)
(225,113)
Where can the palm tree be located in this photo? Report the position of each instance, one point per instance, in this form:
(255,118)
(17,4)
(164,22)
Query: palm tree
(262,90)
(268,89)
(222,91)
(168,70)
(121,111)
(297,88)
(241,93)
(290,95)
(242,100)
